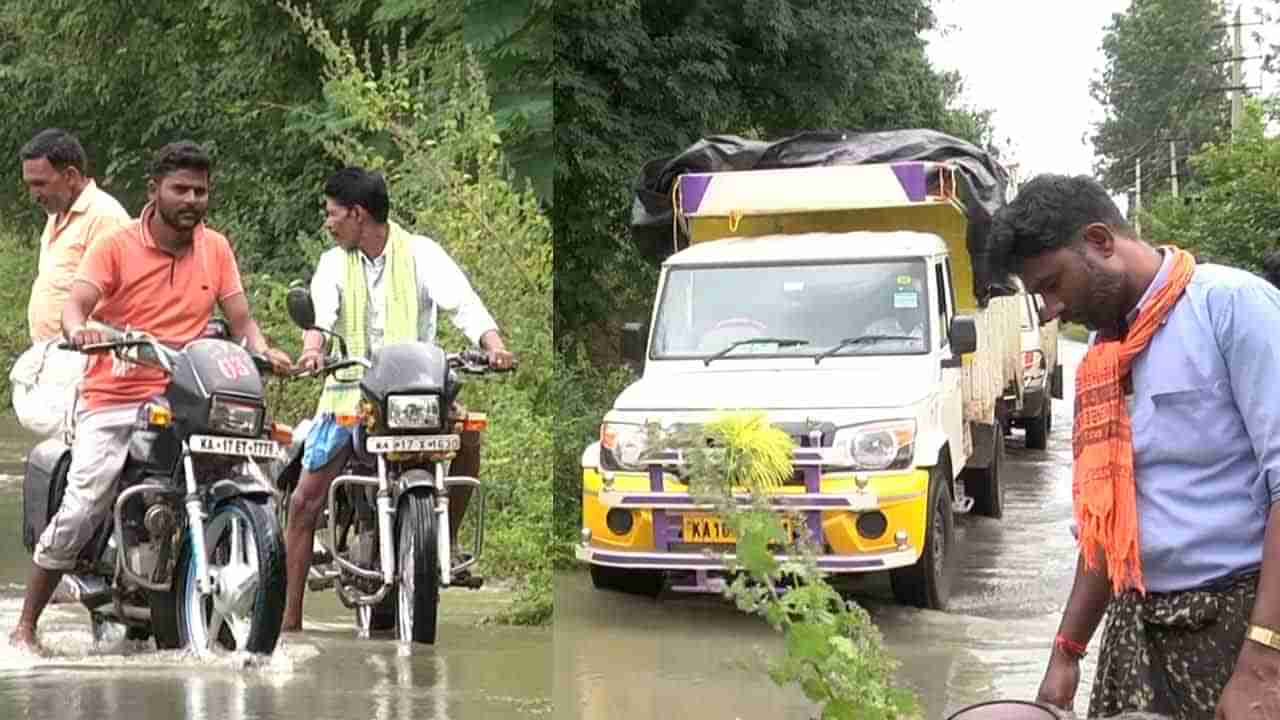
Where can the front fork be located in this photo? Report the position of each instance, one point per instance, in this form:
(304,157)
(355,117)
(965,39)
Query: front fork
(443,551)
(386,525)
(386,512)
(195,518)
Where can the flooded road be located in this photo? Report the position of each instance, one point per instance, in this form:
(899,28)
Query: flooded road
(325,673)
(697,656)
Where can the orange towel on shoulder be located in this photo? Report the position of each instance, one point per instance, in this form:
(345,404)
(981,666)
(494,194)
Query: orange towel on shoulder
(1103,492)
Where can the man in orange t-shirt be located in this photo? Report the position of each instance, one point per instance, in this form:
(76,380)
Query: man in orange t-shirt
(162,273)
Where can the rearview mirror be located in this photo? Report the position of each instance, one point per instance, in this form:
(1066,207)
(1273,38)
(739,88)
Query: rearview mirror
(964,335)
(301,310)
(634,335)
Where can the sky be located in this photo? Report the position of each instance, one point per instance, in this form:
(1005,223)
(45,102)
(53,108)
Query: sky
(1031,62)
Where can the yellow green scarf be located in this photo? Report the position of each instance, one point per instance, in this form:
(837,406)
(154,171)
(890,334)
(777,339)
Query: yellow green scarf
(341,396)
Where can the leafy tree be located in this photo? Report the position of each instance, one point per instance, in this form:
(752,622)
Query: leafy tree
(515,40)
(1231,214)
(638,80)
(1164,77)
(237,76)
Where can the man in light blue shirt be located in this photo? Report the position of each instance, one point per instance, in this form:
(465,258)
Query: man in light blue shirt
(1204,405)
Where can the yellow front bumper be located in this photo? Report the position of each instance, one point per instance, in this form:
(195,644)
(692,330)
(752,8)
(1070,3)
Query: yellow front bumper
(901,497)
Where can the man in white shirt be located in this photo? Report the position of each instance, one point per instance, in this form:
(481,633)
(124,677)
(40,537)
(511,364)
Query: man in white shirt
(356,215)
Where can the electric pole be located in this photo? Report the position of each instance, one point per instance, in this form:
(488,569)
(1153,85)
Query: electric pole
(1173,166)
(1137,199)
(1237,79)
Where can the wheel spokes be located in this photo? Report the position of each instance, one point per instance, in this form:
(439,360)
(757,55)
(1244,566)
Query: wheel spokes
(236,581)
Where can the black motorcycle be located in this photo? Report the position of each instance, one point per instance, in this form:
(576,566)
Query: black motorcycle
(387,516)
(192,553)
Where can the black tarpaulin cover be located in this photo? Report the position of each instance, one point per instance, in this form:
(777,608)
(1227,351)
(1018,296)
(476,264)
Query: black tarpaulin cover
(982,181)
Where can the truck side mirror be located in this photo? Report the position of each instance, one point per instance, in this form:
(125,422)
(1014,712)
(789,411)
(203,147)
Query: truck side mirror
(964,335)
(634,335)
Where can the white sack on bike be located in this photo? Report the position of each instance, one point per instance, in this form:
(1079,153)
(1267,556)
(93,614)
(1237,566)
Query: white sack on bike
(45,380)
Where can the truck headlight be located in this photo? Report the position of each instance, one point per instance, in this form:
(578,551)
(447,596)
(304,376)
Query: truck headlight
(621,446)
(234,417)
(409,412)
(878,446)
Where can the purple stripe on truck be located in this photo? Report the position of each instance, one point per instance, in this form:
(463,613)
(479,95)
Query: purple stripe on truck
(911,177)
(692,189)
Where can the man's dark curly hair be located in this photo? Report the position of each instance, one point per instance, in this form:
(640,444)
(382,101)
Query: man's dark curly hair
(1271,267)
(1049,213)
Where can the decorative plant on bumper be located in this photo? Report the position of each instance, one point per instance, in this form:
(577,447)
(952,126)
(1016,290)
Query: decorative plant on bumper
(832,650)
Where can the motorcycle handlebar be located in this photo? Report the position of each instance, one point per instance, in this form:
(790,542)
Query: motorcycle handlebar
(326,369)
(469,361)
(103,347)
(477,362)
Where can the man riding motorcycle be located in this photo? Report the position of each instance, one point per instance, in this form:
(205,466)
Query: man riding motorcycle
(380,285)
(162,273)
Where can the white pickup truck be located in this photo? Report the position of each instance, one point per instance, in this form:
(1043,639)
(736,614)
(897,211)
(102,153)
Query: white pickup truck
(1041,375)
(839,301)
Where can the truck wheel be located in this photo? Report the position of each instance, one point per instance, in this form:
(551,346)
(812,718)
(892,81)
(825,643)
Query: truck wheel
(927,584)
(1038,428)
(985,485)
(633,582)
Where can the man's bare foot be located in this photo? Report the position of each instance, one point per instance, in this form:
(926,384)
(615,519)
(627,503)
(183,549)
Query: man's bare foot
(291,627)
(24,639)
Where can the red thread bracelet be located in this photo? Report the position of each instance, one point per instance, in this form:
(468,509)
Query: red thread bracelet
(1071,647)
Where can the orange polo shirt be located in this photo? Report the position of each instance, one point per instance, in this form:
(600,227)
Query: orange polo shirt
(94,215)
(146,288)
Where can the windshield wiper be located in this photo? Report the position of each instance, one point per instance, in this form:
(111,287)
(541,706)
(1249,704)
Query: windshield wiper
(846,342)
(780,342)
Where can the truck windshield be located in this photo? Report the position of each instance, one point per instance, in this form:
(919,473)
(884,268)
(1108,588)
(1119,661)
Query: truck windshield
(704,310)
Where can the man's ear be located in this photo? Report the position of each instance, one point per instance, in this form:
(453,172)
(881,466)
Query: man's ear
(152,188)
(1100,238)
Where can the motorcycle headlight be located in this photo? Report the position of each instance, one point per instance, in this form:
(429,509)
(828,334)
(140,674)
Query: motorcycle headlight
(235,417)
(622,445)
(878,446)
(408,412)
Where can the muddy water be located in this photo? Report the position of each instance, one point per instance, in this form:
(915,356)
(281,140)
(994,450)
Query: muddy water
(474,671)
(696,656)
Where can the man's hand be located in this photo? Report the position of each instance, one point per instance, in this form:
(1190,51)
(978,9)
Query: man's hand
(84,335)
(311,359)
(280,361)
(501,359)
(1254,688)
(1060,681)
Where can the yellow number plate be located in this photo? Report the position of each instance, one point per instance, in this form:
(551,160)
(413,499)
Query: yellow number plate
(707,528)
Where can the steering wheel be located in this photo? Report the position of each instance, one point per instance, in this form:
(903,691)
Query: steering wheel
(739,322)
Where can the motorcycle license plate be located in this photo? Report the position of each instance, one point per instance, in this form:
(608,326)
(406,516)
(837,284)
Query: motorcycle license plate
(414,443)
(217,445)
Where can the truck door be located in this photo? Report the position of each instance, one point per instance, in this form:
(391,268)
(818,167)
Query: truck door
(952,377)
